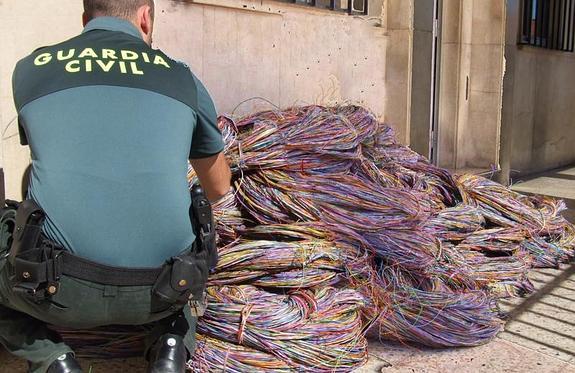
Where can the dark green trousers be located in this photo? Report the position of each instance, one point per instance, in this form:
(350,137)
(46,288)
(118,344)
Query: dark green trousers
(81,305)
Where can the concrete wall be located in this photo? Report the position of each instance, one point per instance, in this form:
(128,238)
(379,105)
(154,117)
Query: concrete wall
(539,110)
(471,83)
(398,23)
(285,54)
(421,84)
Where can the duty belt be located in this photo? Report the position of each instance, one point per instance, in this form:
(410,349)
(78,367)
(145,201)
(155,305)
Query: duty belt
(45,265)
(182,279)
(38,263)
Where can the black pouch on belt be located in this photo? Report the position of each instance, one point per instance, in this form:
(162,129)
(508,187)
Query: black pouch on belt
(29,220)
(36,268)
(182,279)
(37,273)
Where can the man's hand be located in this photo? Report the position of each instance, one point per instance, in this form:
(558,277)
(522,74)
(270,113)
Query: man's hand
(214,174)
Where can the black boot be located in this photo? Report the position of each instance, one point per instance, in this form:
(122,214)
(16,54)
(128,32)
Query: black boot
(65,364)
(169,355)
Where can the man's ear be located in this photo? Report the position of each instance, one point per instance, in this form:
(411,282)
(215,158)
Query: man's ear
(145,20)
(85,19)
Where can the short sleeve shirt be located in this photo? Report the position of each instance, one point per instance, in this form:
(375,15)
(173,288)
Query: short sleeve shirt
(111,124)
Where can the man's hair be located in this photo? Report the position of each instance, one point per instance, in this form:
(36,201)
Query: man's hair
(125,9)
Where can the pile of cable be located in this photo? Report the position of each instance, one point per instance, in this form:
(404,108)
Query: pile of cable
(431,252)
(316,330)
(334,230)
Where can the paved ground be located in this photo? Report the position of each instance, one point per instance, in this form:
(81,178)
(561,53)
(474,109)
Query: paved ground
(539,338)
(557,183)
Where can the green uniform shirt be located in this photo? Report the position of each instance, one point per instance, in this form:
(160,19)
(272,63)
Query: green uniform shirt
(111,124)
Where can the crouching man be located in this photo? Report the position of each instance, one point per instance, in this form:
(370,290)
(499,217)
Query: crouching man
(108,234)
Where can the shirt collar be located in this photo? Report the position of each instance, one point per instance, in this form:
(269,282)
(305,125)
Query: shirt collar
(112,24)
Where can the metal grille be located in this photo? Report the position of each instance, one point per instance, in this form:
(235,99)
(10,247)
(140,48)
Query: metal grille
(347,6)
(549,24)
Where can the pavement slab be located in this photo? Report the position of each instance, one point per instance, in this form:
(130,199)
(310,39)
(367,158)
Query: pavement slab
(497,356)
(567,171)
(554,186)
(548,324)
(556,183)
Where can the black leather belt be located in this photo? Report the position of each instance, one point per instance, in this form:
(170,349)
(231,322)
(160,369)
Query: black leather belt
(48,265)
(84,269)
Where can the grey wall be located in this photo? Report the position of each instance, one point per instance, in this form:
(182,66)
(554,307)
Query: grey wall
(539,104)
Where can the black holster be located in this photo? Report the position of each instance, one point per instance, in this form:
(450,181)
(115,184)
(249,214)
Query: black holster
(29,220)
(202,219)
(182,280)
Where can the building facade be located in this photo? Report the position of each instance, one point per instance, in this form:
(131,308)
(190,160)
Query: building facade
(448,75)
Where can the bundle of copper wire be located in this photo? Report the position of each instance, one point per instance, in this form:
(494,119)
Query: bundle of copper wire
(334,229)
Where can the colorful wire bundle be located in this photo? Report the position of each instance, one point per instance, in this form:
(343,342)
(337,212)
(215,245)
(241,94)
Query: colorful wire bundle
(463,240)
(229,218)
(215,355)
(333,227)
(312,330)
(439,319)
(455,223)
(250,260)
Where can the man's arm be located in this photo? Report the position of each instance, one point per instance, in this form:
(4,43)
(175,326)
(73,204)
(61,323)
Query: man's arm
(214,174)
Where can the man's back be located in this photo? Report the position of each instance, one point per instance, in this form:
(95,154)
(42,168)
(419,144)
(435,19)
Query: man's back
(111,123)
